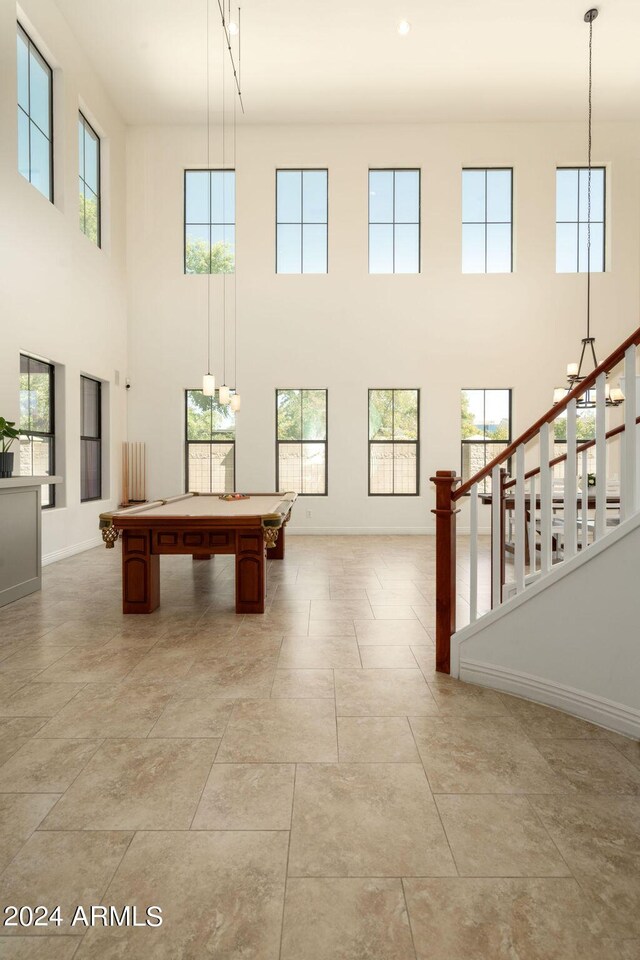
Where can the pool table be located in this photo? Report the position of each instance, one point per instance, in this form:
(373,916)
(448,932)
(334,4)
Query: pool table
(200,524)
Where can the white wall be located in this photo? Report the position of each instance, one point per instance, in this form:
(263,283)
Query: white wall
(61,298)
(570,641)
(348,331)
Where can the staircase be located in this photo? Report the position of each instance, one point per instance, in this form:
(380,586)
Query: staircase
(560,620)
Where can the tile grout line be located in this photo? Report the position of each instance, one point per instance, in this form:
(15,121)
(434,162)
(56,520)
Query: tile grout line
(286,873)
(406,906)
(433,797)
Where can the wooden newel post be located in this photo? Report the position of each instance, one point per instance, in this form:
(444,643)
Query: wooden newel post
(445,481)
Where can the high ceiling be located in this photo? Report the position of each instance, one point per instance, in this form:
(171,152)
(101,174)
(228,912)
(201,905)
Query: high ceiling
(319,61)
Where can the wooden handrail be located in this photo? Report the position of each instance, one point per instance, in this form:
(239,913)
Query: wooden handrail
(579,449)
(584,385)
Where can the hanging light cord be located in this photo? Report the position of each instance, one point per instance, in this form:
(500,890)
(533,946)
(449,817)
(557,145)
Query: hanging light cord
(235,265)
(236,72)
(208,168)
(589,186)
(224,220)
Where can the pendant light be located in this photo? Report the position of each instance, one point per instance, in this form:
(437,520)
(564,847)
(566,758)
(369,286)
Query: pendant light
(236,400)
(208,380)
(613,396)
(224,394)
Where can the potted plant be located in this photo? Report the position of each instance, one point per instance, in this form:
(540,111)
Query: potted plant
(8,434)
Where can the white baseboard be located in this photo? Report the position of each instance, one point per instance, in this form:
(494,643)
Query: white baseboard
(360,531)
(579,703)
(70,551)
(377,531)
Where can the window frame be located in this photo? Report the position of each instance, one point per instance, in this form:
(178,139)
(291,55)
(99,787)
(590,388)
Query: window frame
(393,224)
(45,62)
(84,437)
(211,223)
(484,443)
(86,125)
(188,443)
(302,223)
(416,442)
(302,441)
(578,223)
(51,435)
(486,222)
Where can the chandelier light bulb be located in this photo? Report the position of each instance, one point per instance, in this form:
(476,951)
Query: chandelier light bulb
(403,28)
(209,385)
(235,402)
(559,394)
(233,28)
(224,396)
(572,369)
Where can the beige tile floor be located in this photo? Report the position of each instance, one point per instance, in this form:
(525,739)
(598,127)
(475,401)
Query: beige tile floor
(300,785)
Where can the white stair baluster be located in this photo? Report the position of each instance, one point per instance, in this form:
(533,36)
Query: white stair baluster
(601,457)
(570,491)
(520,534)
(584,498)
(496,538)
(532,525)
(473,555)
(545,501)
(628,479)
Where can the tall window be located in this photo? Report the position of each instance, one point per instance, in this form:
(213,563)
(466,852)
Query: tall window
(485,429)
(209,221)
(394,221)
(89,179)
(572,216)
(35,116)
(487,204)
(394,437)
(37,426)
(301,432)
(211,443)
(90,439)
(301,221)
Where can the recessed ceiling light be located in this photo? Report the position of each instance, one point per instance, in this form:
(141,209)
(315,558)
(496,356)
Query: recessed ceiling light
(403,28)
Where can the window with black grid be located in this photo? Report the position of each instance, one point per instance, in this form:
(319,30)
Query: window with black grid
(35,116)
(302,215)
(209,221)
(394,221)
(89,179)
(210,430)
(487,215)
(90,439)
(394,442)
(573,217)
(37,422)
(485,423)
(301,441)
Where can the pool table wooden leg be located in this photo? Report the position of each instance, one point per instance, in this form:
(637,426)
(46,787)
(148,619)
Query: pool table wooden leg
(140,573)
(250,571)
(277,552)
